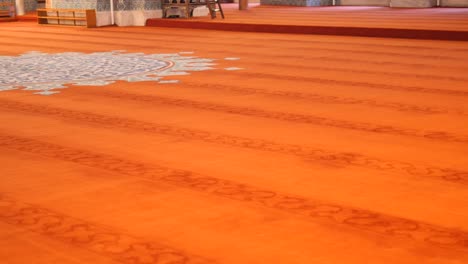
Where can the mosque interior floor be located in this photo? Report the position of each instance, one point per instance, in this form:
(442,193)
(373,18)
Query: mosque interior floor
(154,145)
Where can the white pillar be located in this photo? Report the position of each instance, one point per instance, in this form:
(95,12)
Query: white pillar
(19,7)
(112,12)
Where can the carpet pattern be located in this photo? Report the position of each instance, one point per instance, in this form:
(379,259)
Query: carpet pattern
(291,149)
(45,73)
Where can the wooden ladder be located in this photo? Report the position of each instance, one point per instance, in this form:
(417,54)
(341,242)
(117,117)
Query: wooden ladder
(214,6)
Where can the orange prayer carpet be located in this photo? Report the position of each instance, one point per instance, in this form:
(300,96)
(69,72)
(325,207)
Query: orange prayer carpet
(142,145)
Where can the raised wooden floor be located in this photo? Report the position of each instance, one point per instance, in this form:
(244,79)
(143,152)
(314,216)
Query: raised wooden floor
(431,23)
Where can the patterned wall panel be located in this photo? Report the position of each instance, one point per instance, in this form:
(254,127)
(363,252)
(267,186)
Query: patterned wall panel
(122,5)
(297,2)
(104,5)
(5,7)
(75,4)
(30,5)
(363,2)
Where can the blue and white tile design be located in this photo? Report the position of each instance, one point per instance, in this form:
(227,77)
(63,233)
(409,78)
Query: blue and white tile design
(76,4)
(30,5)
(5,7)
(46,74)
(104,5)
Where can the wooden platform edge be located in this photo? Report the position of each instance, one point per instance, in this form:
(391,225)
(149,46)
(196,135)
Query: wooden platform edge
(315,30)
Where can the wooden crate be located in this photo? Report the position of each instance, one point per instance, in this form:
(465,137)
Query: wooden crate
(73,17)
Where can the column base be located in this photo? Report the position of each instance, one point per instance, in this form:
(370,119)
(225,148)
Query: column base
(127,18)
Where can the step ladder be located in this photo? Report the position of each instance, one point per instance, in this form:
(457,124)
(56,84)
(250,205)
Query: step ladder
(214,6)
